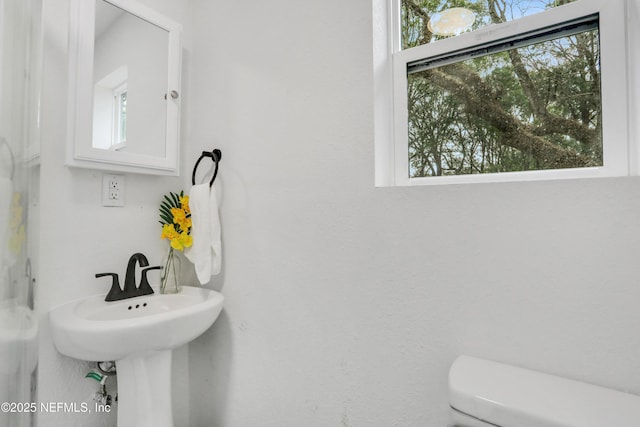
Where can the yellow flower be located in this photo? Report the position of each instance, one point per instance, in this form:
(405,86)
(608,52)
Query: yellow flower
(16,211)
(16,241)
(169,232)
(181,241)
(186,239)
(18,235)
(180,218)
(175,218)
(184,203)
(186,224)
(178,215)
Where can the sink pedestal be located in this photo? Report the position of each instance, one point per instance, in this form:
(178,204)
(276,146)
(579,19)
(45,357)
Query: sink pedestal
(139,334)
(144,390)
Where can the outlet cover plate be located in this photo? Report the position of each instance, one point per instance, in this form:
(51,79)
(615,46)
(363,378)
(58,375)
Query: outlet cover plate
(112,190)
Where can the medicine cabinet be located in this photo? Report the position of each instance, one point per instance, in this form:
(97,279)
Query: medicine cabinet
(124,88)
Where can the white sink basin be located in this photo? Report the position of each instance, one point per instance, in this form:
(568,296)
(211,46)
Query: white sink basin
(96,330)
(139,334)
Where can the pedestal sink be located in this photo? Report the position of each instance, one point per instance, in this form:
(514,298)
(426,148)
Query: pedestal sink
(139,334)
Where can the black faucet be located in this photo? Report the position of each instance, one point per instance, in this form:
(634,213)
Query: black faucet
(130,288)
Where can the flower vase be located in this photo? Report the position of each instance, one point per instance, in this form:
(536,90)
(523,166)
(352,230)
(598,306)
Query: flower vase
(170,277)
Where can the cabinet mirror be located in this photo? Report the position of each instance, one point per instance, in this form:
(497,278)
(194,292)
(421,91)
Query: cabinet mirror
(124,88)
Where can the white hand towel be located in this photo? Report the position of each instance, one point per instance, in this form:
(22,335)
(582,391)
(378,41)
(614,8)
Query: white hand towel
(206,251)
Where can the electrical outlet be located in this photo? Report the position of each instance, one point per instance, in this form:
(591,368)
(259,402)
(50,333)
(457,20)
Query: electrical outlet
(112,190)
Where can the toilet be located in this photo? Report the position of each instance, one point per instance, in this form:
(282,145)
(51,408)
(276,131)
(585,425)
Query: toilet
(483,393)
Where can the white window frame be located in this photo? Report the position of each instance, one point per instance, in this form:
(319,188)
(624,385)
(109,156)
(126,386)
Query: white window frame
(390,93)
(117,138)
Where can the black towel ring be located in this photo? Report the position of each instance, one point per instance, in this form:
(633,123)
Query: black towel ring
(215,155)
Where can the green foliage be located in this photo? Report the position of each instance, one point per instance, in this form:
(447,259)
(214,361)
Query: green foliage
(172,200)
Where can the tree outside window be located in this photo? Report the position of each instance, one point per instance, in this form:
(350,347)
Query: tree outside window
(533,107)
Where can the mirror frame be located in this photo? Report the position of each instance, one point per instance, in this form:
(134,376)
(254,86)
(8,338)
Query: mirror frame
(80,152)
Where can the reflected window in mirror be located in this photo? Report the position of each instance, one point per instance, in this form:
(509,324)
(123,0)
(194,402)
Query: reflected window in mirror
(110,111)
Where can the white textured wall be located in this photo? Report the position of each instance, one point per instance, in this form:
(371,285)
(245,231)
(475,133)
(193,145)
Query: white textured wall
(79,237)
(345,303)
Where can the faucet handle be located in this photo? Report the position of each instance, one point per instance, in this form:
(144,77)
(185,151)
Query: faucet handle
(115,293)
(145,288)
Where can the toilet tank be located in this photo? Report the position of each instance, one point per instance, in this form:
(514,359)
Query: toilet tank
(509,396)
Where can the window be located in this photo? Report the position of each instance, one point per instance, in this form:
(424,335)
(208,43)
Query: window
(110,110)
(495,90)
(119,117)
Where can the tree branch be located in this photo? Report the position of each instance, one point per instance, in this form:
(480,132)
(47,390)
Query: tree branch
(480,101)
(424,16)
(549,123)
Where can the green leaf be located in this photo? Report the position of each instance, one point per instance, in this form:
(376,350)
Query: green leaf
(168,219)
(170,201)
(176,200)
(165,210)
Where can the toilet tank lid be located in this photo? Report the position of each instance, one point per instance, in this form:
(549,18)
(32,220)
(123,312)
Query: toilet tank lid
(506,395)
